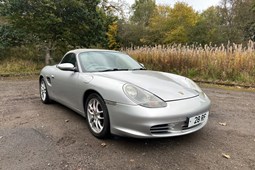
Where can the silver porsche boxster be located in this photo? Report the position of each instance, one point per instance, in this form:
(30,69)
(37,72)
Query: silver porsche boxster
(117,95)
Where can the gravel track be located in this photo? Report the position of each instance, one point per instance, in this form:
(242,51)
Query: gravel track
(38,136)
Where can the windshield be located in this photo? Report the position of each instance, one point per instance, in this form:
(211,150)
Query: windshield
(96,61)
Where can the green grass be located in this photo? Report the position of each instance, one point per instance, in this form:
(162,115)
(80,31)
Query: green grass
(19,67)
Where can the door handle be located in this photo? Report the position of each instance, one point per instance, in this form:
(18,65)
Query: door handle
(52,76)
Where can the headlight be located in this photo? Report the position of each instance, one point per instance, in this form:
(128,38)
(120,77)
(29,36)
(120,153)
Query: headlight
(143,97)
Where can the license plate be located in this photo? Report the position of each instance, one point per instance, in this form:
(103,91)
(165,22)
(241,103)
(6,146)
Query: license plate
(195,120)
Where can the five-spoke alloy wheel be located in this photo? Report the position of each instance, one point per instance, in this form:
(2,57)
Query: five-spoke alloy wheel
(97,116)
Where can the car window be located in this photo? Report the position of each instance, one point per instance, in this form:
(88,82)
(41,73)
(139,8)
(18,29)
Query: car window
(69,58)
(104,60)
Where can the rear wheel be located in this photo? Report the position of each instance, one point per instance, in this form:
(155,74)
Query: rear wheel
(97,116)
(44,92)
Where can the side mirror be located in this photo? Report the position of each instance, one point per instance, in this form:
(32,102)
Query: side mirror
(66,67)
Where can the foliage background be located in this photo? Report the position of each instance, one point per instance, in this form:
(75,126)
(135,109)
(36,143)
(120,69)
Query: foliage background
(215,44)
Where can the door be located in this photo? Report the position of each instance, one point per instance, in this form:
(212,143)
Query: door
(65,83)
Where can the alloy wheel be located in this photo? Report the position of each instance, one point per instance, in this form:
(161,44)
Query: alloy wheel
(95,115)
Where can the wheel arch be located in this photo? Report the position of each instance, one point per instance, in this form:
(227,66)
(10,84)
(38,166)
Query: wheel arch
(47,100)
(40,78)
(86,95)
(106,131)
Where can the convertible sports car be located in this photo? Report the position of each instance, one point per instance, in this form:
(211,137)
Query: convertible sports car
(117,95)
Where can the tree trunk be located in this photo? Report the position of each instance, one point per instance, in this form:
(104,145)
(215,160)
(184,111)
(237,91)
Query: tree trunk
(47,56)
(48,48)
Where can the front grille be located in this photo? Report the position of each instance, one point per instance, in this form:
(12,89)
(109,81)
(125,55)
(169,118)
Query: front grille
(160,128)
(168,128)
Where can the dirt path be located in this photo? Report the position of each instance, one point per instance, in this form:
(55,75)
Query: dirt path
(38,136)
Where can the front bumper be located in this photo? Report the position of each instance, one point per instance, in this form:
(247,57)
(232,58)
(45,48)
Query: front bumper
(140,122)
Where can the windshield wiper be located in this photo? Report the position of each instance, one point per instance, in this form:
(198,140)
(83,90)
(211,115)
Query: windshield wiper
(121,69)
(114,69)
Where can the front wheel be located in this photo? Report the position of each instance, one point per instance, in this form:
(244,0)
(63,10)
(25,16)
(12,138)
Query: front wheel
(97,116)
(44,92)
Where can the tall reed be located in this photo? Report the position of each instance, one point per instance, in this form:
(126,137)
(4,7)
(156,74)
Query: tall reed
(233,62)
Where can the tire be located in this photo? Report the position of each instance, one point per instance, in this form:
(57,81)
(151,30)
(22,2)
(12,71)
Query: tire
(97,116)
(44,92)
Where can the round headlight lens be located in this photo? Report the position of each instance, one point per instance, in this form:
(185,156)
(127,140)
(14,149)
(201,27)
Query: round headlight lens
(131,91)
(143,97)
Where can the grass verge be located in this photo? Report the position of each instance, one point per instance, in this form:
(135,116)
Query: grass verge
(18,67)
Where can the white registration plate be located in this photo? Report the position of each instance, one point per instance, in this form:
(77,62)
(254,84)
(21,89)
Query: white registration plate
(195,120)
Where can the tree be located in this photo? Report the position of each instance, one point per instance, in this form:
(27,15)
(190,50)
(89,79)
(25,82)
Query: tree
(135,31)
(143,10)
(172,25)
(236,18)
(11,37)
(112,35)
(182,19)
(116,8)
(49,22)
(158,24)
(131,34)
(244,18)
(207,29)
(251,29)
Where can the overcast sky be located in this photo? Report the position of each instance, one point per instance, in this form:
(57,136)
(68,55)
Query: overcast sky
(198,5)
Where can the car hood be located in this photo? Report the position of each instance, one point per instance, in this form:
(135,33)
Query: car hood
(167,86)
